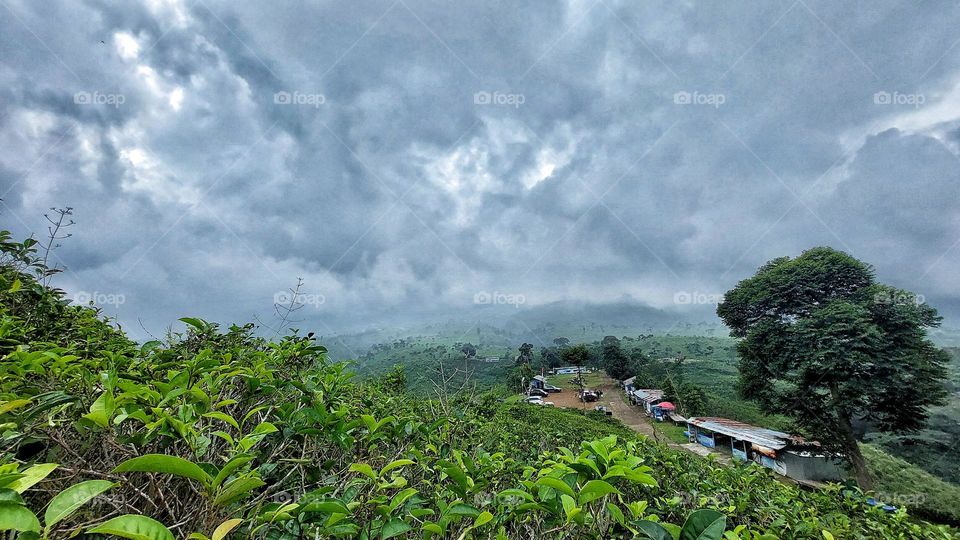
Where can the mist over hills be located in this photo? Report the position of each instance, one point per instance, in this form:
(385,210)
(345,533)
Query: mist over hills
(510,325)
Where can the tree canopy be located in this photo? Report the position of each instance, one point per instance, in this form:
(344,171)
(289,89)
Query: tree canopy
(824,344)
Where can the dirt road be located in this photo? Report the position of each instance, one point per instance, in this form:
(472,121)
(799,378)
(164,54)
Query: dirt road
(614,399)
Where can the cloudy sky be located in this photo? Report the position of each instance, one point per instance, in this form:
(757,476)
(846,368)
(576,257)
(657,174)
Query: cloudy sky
(406,156)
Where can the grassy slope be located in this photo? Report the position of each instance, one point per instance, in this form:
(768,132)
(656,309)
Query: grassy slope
(902,483)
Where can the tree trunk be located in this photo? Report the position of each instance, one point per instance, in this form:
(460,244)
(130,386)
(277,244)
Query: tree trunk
(852,450)
(849,443)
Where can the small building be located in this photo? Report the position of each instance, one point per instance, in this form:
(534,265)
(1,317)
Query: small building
(491,359)
(540,382)
(646,398)
(785,454)
(627,384)
(569,370)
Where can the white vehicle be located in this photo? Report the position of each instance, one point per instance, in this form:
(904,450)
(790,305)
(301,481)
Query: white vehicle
(536,400)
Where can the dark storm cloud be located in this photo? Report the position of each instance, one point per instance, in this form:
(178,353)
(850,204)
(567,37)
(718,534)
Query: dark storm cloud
(589,151)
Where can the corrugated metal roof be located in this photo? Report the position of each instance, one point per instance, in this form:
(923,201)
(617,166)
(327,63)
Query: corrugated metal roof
(648,394)
(776,440)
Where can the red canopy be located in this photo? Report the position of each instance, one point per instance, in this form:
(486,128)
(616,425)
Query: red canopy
(666,405)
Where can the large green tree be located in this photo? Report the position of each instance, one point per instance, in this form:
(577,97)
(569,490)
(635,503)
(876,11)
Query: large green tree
(615,361)
(825,344)
(525,355)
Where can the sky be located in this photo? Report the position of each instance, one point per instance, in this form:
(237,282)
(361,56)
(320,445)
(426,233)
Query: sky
(417,159)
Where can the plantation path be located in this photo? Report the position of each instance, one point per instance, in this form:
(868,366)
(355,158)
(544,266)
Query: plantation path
(614,400)
(630,415)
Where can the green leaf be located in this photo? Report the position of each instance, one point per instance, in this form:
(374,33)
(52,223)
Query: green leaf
(133,527)
(364,469)
(102,410)
(394,527)
(9,495)
(199,324)
(8,406)
(401,498)
(615,513)
(484,518)
(570,507)
(8,478)
(224,528)
(14,517)
(263,428)
(69,500)
(238,489)
(595,489)
(433,528)
(31,476)
(327,506)
(224,418)
(161,463)
(704,525)
(650,530)
(556,484)
(235,463)
(513,492)
(395,464)
(462,509)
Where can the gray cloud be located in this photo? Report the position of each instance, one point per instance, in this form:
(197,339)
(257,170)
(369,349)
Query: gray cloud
(401,194)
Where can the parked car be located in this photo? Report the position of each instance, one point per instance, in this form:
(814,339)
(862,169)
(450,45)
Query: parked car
(536,400)
(551,388)
(536,392)
(588,396)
